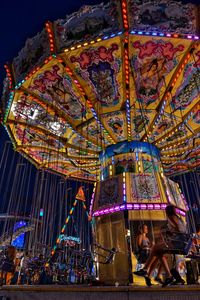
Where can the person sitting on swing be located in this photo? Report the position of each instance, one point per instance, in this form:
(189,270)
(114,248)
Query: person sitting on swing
(175,225)
(195,249)
(144,247)
(143,244)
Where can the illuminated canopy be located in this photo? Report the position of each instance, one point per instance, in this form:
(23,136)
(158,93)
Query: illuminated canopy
(123,71)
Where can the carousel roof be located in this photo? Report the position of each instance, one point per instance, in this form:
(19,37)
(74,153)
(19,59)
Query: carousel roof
(125,70)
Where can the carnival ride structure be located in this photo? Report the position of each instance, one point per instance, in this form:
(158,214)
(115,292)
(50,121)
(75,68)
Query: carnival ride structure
(110,95)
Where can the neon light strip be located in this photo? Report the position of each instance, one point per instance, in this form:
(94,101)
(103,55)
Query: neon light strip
(139,166)
(124,187)
(134,206)
(92,199)
(135,32)
(128,114)
(63,228)
(8,107)
(8,72)
(125,14)
(51,36)
(126,65)
(171,35)
(110,170)
(94,41)
(87,214)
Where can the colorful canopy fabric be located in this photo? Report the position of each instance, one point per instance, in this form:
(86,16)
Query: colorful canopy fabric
(125,70)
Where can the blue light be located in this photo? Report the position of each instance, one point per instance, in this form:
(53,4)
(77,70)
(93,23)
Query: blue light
(19,225)
(19,241)
(132,31)
(112,35)
(140,32)
(154,33)
(105,37)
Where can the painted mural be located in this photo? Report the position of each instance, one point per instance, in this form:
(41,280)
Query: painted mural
(87,23)
(151,62)
(98,66)
(56,88)
(144,188)
(162,16)
(109,192)
(188,90)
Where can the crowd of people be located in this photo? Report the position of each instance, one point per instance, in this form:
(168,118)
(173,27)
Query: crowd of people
(68,265)
(31,270)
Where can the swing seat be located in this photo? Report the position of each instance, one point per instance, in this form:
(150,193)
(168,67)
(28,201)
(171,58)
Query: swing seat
(109,259)
(194,256)
(177,243)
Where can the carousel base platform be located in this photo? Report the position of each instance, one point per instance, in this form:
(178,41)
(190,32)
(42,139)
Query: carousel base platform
(56,292)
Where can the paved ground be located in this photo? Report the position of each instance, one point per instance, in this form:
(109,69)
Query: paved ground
(57,292)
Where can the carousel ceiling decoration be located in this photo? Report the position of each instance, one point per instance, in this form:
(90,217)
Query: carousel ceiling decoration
(121,71)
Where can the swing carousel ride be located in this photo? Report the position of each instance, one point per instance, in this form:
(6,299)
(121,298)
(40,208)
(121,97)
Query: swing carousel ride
(110,95)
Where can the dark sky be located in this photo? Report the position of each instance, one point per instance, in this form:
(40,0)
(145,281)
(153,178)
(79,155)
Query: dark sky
(23,19)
